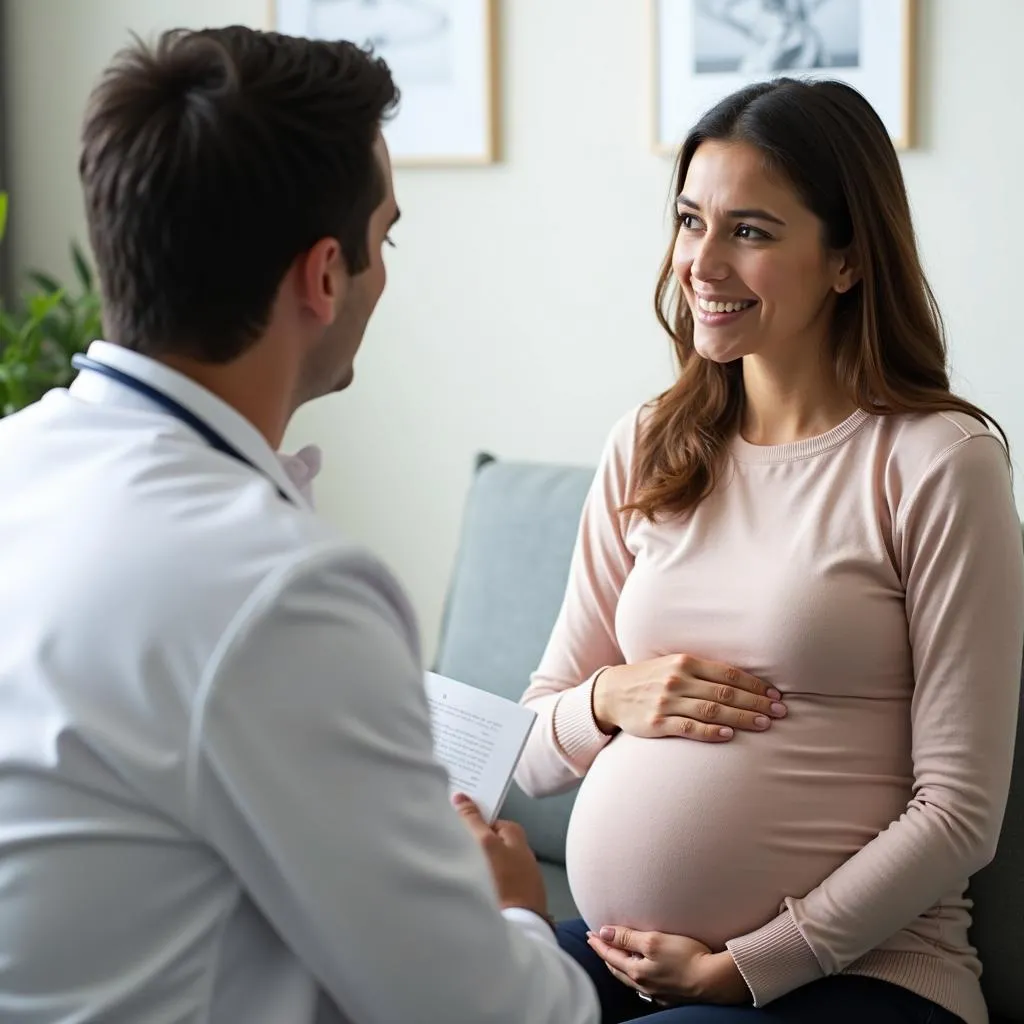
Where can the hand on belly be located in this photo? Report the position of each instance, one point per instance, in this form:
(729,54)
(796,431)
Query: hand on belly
(679,695)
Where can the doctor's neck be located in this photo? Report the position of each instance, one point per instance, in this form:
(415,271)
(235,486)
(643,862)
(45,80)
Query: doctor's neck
(260,384)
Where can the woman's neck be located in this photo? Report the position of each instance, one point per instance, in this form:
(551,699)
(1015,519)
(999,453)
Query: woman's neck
(786,404)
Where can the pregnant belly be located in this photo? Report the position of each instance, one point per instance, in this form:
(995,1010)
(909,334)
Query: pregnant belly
(707,840)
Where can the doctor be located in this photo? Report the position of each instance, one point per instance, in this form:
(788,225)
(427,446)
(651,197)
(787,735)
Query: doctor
(217,797)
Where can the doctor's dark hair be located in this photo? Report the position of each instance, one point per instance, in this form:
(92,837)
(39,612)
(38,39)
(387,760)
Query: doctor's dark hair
(213,159)
(887,343)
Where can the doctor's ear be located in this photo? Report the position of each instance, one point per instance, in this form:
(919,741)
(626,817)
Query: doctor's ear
(322,279)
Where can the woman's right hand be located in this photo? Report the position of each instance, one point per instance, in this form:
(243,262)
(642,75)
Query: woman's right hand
(679,695)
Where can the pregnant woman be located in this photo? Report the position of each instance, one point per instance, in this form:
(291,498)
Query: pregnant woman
(787,664)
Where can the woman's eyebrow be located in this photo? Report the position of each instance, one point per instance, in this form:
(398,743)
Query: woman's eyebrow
(752,213)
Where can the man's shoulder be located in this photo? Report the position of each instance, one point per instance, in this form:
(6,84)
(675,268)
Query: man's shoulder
(279,556)
(173,532)
(320,567)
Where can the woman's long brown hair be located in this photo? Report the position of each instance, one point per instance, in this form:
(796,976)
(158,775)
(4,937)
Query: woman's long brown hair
(888,342)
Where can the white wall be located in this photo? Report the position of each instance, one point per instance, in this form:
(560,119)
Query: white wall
(518,315)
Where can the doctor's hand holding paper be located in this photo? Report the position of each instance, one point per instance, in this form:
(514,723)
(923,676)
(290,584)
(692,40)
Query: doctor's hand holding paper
(517,877)
(219,798)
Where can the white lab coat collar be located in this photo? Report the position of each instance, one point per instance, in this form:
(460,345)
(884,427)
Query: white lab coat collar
(225,420)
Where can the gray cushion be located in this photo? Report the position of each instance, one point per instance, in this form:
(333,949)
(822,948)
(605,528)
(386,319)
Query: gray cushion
(560,902)
(518,532)
(998,894)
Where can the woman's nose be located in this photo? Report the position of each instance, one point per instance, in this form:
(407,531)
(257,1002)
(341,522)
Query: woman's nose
(708,263)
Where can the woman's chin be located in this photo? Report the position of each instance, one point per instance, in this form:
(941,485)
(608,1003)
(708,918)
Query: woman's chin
(717,346)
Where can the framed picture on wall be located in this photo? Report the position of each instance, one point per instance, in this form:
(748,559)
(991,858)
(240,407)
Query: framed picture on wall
(443,54)
(705,49)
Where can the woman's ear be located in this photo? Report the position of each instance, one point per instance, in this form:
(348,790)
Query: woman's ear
(847,271)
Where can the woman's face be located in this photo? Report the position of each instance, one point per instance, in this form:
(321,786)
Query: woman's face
(751,260)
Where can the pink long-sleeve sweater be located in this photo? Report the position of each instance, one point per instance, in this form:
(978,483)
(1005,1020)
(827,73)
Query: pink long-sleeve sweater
(875,576)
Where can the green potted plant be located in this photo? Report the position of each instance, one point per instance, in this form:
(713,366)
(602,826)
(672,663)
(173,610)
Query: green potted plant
(39,336)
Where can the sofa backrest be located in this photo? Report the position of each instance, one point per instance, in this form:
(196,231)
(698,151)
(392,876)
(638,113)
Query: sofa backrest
(518,532)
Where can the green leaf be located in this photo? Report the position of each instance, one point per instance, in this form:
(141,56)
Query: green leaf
(44,281)
(41,304)
(17,396)
(3,213)
(8,329)
(82,268)
(39,336)
(21,349)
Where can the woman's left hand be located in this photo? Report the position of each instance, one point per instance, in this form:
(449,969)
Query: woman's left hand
(670,968)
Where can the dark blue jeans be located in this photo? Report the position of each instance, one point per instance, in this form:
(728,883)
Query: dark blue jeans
(840,999)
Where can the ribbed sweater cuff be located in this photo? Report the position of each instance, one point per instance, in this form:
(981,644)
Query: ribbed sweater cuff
(775,959)
(576,731)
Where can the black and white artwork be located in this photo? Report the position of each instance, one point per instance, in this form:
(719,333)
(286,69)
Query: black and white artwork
(705,49)
(762,37)
(413,36)
(440,52)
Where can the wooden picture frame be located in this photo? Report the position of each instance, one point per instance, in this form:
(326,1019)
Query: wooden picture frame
(444,56)
(702,50)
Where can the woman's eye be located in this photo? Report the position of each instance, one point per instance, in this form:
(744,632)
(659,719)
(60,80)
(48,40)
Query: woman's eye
(688,221)
(749,231)
(389,241)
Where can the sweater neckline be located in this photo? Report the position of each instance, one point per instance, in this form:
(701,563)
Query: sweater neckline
(744,451)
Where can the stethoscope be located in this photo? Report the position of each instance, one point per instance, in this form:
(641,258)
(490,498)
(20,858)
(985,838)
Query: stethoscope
(171,406)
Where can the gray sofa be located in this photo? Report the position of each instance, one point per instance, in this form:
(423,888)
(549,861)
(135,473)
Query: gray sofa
(519,526)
